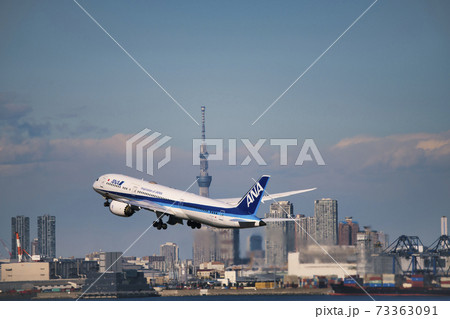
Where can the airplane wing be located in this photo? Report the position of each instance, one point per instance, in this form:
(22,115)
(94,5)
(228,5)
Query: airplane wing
(273,220)
(234,201)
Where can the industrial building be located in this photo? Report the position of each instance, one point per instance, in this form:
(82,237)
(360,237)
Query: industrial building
(110,262)
(313,261)
(41,271)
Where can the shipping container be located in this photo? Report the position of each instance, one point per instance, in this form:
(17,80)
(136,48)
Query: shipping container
(389,277)
(372,285)
(264,285)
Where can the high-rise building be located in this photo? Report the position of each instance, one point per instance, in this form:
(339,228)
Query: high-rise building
(170,252)
(21,225)
(204,246)
(216,245)
(348,231)
(326,214)
(47,236)
(305,230)
(228,246)
(280,235)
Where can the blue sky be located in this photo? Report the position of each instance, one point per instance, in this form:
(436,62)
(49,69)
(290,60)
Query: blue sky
(376,105)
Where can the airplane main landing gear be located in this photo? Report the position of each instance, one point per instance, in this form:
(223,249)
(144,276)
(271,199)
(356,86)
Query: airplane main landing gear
(193,224)
(159,224)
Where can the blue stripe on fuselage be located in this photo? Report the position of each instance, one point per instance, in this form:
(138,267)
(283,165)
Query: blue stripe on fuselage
(232,212)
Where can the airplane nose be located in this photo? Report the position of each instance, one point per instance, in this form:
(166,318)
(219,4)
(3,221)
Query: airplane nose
(261,223)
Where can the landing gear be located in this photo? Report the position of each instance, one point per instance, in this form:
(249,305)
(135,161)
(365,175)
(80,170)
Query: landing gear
(159,224)
(106,203)
(193,224)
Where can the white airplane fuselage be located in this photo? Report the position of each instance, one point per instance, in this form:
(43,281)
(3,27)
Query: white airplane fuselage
(130,194)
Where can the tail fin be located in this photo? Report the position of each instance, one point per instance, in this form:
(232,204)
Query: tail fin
(248,204)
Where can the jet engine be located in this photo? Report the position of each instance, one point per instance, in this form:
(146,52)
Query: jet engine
(122,209)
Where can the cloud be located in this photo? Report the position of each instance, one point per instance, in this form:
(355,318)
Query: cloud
(11,108)
(12,119)
(394,152)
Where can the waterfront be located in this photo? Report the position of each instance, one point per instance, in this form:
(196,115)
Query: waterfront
(328,298)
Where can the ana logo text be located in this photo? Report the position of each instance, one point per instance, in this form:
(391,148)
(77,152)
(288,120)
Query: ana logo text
(116,182)
(254,193)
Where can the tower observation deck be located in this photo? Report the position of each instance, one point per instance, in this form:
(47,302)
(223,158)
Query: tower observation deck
(203,180)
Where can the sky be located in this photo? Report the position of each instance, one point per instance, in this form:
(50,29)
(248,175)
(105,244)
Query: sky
(375,104)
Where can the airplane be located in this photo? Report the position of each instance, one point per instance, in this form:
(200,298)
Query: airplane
(125,195)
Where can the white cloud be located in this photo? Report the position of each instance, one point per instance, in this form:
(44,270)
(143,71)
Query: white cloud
(396,151)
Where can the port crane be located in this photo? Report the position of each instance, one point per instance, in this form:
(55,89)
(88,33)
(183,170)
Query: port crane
(20,250)
(6,248)
(408,247)
(439,248)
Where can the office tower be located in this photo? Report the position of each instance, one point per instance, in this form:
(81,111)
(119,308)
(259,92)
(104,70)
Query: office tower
(110,262)
(204,246)
(348,231)
(47,236)
(216,245)
(326,214)
(21,225)
(280,235)
(444,226)
(305,230)
(228,246)
(170,252)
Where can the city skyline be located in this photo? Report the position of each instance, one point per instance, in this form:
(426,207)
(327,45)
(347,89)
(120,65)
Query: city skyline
(376,106)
